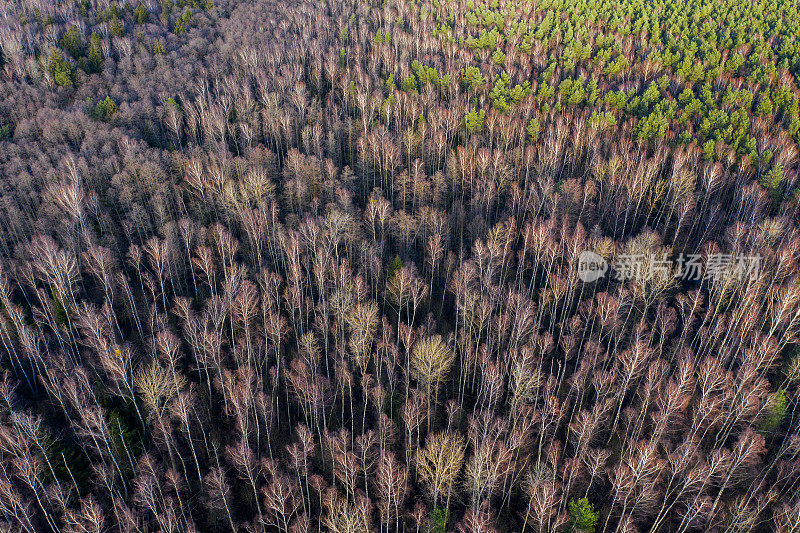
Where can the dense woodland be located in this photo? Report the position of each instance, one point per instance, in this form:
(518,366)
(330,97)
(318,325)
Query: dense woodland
(274,266)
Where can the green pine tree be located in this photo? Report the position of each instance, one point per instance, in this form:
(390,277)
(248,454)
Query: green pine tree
(772,181)
(473,121)
(533,129)
(105,109)
(61,70)
(95,56)
(116,26)
(141,14)
(71,42)
(776,411)
(582,516)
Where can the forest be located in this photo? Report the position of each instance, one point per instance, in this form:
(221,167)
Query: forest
(399,266)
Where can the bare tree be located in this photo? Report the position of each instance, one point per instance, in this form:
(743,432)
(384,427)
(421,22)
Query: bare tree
(430,364)
(439,465)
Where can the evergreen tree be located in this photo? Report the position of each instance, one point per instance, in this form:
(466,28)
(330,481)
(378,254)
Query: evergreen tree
(582,516)
(95,54)
(61,70)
